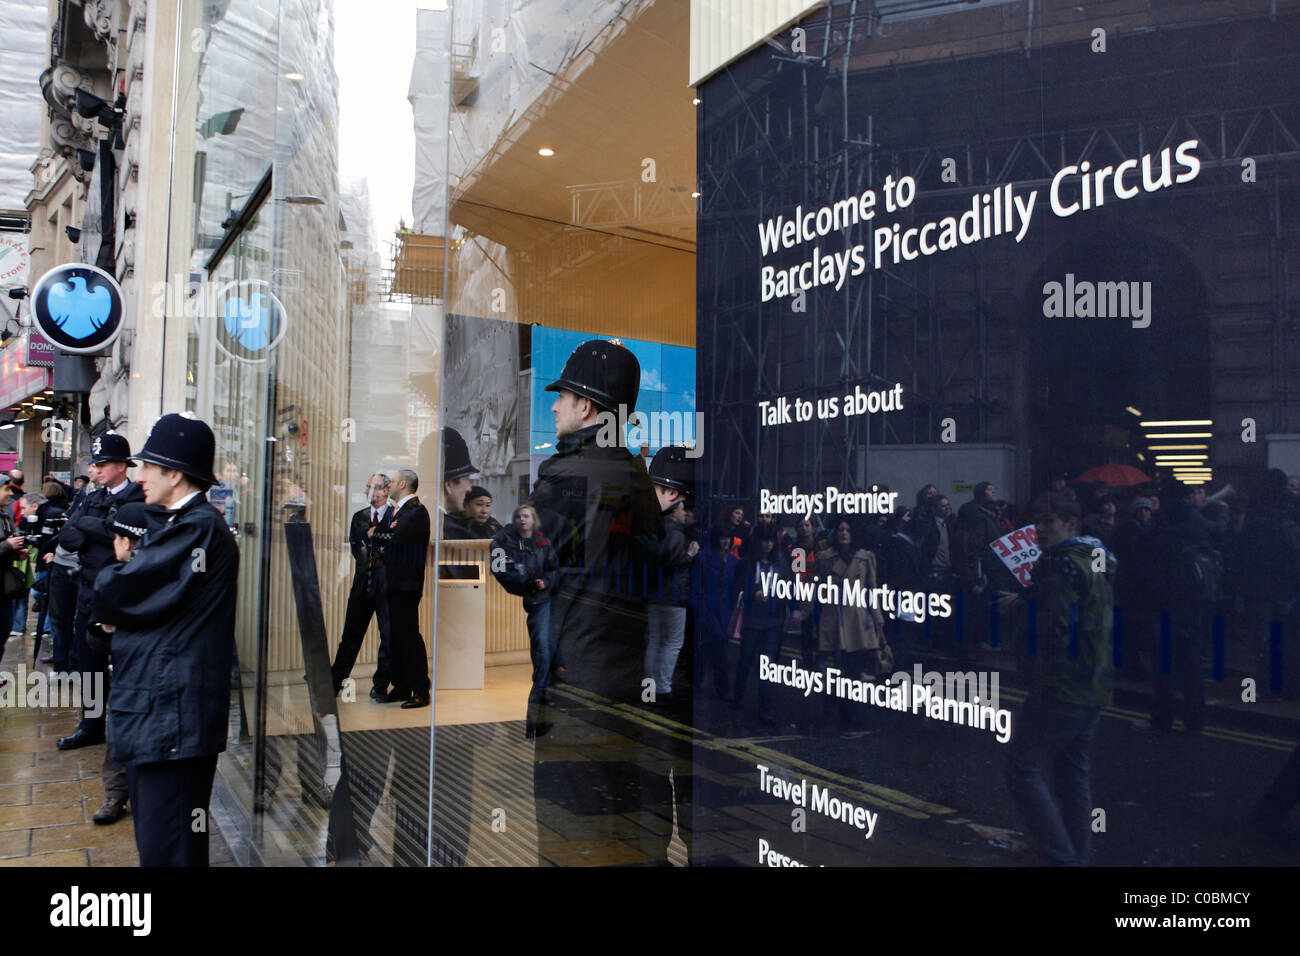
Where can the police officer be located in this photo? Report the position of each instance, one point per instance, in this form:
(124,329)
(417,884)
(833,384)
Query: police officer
(89,534)
(456,469)
(599,511)
(170,604)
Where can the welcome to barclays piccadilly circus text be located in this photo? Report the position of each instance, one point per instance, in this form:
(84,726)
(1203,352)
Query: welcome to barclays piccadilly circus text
(1000,210)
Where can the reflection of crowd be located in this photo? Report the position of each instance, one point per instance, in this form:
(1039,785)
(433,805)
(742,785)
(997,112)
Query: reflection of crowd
(1191,578)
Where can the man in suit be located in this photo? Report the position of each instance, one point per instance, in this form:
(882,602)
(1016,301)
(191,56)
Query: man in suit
(405,539)
(366,599)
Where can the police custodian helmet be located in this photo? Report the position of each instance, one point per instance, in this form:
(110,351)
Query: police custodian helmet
(455,456)
(183,444)
(110,447)
(671,468)
(603,371)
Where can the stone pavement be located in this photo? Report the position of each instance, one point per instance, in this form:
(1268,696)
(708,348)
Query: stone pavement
(48,796)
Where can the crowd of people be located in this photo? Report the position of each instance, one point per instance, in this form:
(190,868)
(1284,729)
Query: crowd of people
(141,573)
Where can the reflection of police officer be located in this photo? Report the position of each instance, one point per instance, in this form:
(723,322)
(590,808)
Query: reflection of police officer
(599,512)
(171,606)
(456,469)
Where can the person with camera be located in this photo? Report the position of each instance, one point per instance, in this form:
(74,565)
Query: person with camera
(48,522)
(12,549)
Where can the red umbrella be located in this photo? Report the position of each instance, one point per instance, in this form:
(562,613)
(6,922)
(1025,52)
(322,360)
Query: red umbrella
(1117,476)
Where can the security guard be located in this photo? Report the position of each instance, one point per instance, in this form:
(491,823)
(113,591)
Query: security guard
(598,510)
(89,535)
(170,604)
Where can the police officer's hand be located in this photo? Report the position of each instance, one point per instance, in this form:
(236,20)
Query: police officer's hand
(122,547)
(48,557)
(15,542)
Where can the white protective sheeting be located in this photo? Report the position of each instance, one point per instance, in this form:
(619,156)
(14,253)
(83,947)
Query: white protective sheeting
(24,54)
(723,30)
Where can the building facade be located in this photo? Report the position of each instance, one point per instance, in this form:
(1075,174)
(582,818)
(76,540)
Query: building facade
(856,247)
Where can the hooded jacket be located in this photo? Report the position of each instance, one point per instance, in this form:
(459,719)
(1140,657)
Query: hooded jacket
(173,605)
(1069,655)
(526,560)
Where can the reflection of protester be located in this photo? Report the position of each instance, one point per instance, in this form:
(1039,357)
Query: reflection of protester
(855,635)
(713,597)
(734,519)
(1101,524)
(981,572)
(478,513)
(1192,582)
(366,599)
(527,568)
(1269,815)
(763,618)
(1071,679)
(807,543)
(172,600)
(673,477)
(1136,586)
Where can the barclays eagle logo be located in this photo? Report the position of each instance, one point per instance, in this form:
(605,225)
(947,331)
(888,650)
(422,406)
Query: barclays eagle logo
(77,311)
(250,323)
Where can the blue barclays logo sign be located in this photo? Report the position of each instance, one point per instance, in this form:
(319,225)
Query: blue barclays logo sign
(251,320)
(78,308)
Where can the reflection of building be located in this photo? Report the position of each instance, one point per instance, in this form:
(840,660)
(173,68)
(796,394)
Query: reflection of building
(591,238)
(965,331)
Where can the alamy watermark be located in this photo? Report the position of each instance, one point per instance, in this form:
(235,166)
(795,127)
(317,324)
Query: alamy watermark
(657,429)
(38,689)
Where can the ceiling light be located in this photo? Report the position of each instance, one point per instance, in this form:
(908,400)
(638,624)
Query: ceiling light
(1184,435)
(1178,447)
(293,76)
(695,195)
(696,101)
(546,151)
(43,408)
(1132,411)
(1191,421)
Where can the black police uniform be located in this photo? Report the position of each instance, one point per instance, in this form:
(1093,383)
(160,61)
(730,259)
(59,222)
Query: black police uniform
(173,606)
(599,511)
(88,533)
(365,600)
